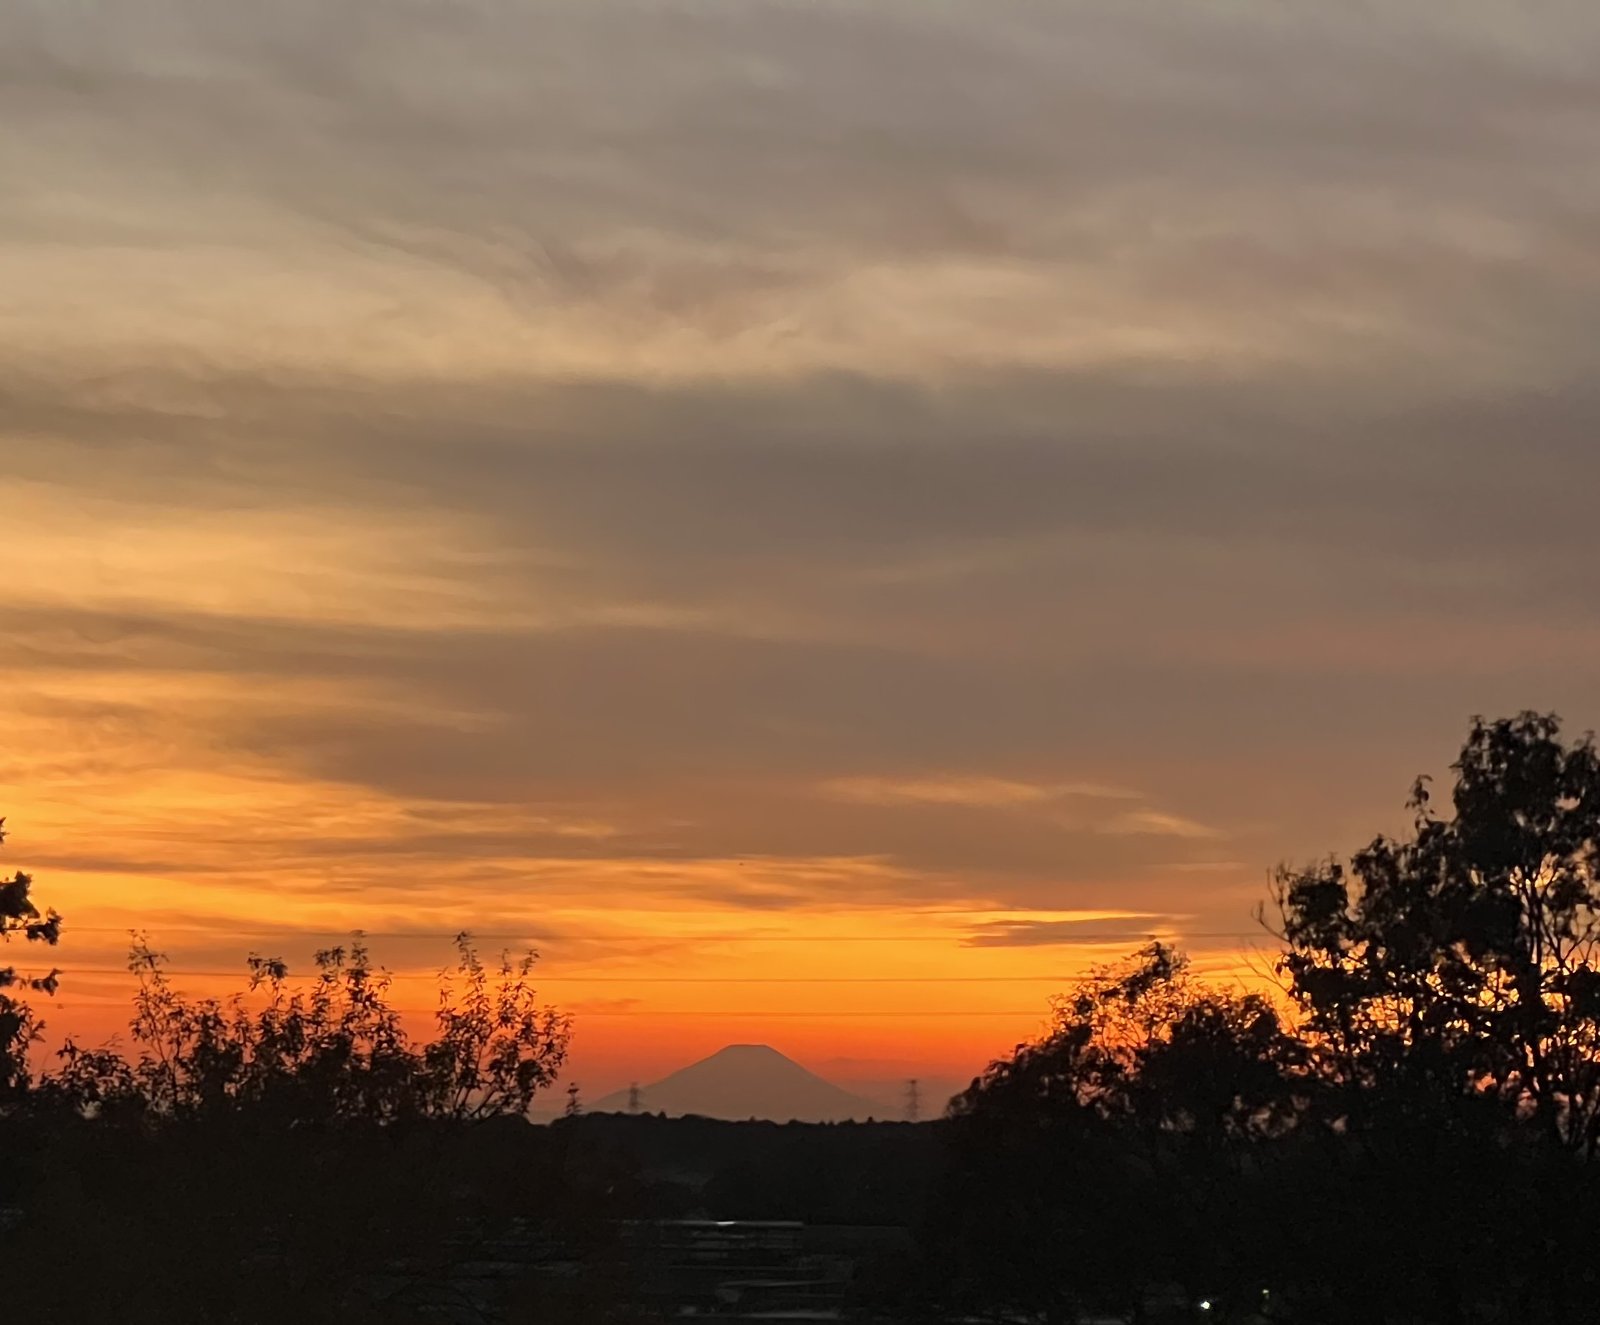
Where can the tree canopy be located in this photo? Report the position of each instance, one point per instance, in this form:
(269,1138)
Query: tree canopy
(335,1052)
(1460,961)
(1406,1134)
(20,917)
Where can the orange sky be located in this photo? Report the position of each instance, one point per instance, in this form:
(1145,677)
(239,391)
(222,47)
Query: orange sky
(827,519)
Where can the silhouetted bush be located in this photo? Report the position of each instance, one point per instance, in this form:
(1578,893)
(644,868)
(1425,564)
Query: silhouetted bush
(337,1053)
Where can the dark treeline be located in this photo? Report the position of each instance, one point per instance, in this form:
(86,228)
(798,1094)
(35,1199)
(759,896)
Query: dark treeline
(286,1154)
(1408,1135)
(1405,1131)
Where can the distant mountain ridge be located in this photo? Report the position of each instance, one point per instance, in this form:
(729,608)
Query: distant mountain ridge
(748,1081)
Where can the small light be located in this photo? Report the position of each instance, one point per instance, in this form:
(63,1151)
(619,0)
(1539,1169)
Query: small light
(1205,1304)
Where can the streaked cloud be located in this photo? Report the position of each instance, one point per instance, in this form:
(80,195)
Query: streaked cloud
(633,470)
(1156,823)
(1091,931)
(973,792)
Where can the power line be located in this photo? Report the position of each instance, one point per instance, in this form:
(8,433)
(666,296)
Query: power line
(703,1014)
(1082,936)
(640,980)
(1047,978)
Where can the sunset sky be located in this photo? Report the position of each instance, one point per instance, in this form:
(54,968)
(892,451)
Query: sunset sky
(824,517)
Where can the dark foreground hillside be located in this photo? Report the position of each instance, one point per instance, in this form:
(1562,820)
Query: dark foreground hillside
(591,1219)
(878,1174)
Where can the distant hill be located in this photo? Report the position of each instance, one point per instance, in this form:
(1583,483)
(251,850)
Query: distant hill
(748,1081)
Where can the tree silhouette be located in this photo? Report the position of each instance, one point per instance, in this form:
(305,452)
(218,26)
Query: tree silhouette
(287,1153)
(334,1054)
(19,1027)
(496,1047)
(1457,967)
(1128,1114)
(1413,1148)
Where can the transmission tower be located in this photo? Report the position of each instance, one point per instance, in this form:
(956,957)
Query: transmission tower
(913,1101)
(633,1098)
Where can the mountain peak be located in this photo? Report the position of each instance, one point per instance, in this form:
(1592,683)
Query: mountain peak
(749,1051)
(748,1081)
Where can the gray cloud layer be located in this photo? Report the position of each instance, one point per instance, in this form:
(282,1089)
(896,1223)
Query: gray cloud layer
(1195,398)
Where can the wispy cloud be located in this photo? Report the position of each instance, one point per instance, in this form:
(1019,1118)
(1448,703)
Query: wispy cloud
(1145,822)
(1085,932)
(534,465)
(974,792)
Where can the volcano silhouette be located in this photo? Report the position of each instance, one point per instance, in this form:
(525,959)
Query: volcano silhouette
(747,1081)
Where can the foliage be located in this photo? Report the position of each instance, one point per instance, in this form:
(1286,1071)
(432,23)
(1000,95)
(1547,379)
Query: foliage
(1142,1042)
(496,1047)
(1131,1108)
(336,1053)
(285,1153)
(1458,966)
(19,1027)
(1415,1148)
